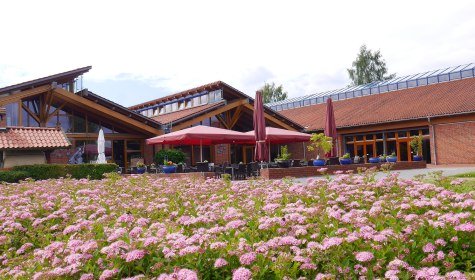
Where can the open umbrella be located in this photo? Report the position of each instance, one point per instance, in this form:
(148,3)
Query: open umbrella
(260,152)
(101,157)
(330,127)
(281,136)
(201,135)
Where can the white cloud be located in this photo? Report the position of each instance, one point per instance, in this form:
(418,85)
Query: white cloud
(175,45)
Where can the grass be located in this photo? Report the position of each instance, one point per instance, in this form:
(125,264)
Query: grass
(437,178)
(465,175)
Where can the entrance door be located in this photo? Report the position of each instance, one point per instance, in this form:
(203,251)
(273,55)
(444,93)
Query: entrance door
(248,152)
(118,152)
(403,154)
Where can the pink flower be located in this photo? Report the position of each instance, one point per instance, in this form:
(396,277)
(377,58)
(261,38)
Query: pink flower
(186,274)
(429,248)
(87,276)
(364,256)
(467,227)
(135,255)
(242,273)
(247,258)
(108,274)
(220,263)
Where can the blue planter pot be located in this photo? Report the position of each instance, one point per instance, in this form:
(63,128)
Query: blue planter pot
(417,158)
(169,169)
(391,159)
(319,162)
(140,170)
(344,161)
(374,160)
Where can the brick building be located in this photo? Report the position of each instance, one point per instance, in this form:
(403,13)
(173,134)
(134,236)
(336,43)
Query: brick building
(374,119)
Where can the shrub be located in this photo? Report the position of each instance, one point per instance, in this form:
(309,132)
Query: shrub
(13,176)
(172,155)
(77,171)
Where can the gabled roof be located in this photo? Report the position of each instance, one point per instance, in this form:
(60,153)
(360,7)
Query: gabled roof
(208,87)
(119,108)
(442,99)
(58,78)
(32,138)
(227,91)
(186,113)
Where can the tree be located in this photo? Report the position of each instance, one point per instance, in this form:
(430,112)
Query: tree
(271,93)
(368,67)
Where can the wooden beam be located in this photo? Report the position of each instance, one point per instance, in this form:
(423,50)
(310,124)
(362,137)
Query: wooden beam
(48,102)
(215,112)
(235,117)
(102,110)
(32,114)
(273,119)
(54,112)
(223,121)
(16,97)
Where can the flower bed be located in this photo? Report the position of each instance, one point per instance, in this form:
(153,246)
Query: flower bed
(144,226)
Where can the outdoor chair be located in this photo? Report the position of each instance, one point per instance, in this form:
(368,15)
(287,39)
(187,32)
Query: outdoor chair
(218,171)
(202,167)
(240,172)
(296,163)
(253,169)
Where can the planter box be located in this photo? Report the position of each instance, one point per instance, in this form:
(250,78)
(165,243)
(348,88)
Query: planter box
(345,161)
(319,162)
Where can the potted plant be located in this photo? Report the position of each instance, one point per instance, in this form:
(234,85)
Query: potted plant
(416,145)
(345,159)
(382,158)
(321,144)
(374,160)
(392,157)
(169,167)
(140,167)
(283,160)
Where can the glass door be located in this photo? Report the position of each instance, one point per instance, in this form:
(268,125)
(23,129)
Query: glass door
(118,152)
(403,154)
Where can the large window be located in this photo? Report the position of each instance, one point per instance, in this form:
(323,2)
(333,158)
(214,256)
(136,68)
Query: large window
(12,114)
(376,144)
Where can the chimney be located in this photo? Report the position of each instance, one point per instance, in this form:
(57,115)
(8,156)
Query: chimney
(3,118)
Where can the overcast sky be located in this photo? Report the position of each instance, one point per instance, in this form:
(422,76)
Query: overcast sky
(140,50)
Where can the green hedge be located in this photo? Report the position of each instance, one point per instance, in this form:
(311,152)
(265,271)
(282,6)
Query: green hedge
(174,155)
(77,171)
(12,176)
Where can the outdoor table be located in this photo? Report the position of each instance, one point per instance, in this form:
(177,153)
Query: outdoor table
(232,171)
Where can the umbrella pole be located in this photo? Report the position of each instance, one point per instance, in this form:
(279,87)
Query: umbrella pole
(201,150)
(269,152)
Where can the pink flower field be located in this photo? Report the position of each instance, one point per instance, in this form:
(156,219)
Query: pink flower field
(348,227)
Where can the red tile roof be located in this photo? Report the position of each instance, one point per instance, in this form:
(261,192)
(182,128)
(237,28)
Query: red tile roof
(175,116)
(441,99)
(210,86)
(33,138)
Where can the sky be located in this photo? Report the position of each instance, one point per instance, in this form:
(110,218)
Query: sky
(142,50)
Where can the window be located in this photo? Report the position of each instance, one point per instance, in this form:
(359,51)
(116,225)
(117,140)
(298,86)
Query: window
(149,112)
(161,110)
(204,99)
(211,97)
(218,95)
(156,112)
(188,103)
(168,108)
(196,101)
(174,106)
(181,105)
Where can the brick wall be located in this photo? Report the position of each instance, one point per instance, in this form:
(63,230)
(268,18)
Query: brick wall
(310,171)
(221,153)
(454,143)
(148,154)
(60,156)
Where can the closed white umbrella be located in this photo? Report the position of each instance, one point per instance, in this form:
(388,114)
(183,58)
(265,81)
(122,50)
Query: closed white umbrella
(101,157)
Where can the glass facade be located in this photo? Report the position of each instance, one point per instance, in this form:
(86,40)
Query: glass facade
(387,142)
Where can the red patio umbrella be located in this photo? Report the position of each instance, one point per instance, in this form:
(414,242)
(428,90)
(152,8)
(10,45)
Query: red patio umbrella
(282,136)
(330,127)
(260,152)
(202,135)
